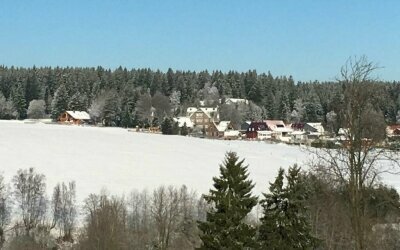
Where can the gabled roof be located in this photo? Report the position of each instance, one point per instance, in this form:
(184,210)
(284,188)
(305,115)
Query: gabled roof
(317,126)
(273,124)
(191,110)
(236,100)
(223,126)
(79,115)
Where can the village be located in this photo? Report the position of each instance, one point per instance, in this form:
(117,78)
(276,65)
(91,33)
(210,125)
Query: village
(204,122)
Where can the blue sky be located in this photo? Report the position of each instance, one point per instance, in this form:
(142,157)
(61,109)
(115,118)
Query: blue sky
(307,39)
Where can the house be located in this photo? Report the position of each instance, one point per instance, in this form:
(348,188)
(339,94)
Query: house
(232,135)
(298,126)
(254,127)
(315,127)
(218,129)
(181,120)
(393,131)
(203,117)
(298,136)
(314,130)
(244,126)
(74,117)
(279,130)
(236,101)
(264,134)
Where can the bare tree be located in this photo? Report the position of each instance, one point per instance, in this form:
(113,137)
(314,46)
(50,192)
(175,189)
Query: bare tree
(29,194)
(144,107)
(359,162)
(64,209)
(5,209)
(165,211)
(162,106)
(141,231)
(106,220)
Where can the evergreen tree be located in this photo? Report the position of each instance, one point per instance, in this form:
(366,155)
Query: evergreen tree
(77,102)
(60,102)
(284,222)
(175,128)
(166,126)
(18,99)
(112,112)
(231,201)
(184,130)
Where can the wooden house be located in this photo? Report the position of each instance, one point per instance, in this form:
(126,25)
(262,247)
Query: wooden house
(203,117)
(279,130)
(218,129)
(254,127)
(74,117)
(393,131)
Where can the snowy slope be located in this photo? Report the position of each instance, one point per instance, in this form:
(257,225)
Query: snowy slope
(121,161)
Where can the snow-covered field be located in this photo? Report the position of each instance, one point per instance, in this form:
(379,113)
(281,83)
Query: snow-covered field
(121,161)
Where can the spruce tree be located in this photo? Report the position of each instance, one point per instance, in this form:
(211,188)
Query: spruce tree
(184,130)
(166,127)
(284,222)
(60,102)
(231,201)
(19,101)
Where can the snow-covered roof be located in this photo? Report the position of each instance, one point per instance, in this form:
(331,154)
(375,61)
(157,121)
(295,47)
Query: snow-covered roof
(317,125)
(236,100)
(191,110)
(181,121)
(208,111)
(276,125)
(79,115)
(343,131)
(223,126)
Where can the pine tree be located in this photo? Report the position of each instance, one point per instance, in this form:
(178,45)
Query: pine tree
(60,102)
(77,102)
(175,128)
(18,99)
(166,127)
(184,130)
(284,224)
(231,201)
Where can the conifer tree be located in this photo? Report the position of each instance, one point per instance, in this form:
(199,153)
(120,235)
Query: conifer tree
(284,222)
(184,130)
(231,201)
(60,102)
(166,127)
(18,99)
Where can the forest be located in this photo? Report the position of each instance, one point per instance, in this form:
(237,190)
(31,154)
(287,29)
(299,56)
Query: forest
(125,98)
(298,210)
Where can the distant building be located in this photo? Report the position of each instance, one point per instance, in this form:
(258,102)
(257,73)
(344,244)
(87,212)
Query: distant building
(393,131)
(74,117)
(279,130)
(218,129)
(254,127)
(244,126)
(236,101)
(202,117)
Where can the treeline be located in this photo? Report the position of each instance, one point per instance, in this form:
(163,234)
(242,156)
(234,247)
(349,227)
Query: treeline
(299,210)
(127,98)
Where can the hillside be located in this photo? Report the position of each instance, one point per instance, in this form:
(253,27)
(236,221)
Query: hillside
(121,161)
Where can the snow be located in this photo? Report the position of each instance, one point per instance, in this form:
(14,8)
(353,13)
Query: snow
(79,115)
(122,161)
